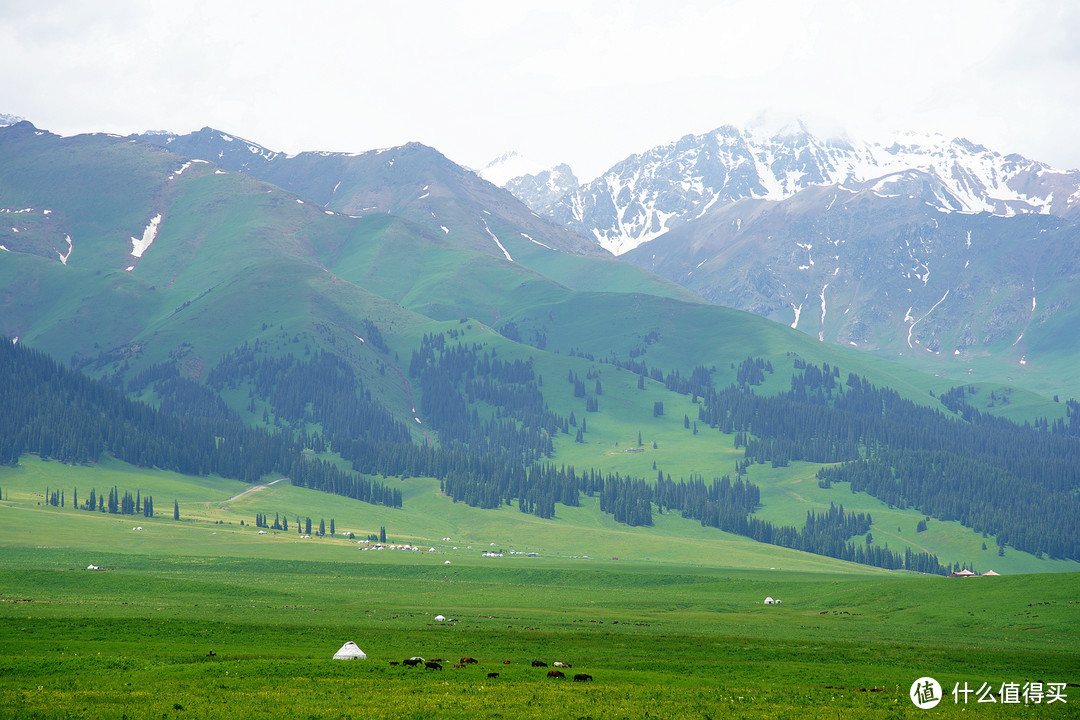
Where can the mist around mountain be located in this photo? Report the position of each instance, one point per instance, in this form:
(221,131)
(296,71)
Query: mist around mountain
(535,185)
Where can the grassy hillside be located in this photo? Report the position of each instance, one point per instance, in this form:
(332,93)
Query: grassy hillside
(212,509)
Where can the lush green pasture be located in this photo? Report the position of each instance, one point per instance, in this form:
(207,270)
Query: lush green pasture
(670,641)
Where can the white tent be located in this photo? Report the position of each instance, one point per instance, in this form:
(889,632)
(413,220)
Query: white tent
(440,618)
(769,601)
(349,651)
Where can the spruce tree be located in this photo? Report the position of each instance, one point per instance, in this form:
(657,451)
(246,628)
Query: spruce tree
(176,510)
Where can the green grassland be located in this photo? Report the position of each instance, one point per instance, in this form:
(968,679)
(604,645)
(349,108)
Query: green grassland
(675,628)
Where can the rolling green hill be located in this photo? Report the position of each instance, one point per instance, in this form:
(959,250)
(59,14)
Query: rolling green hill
(178,269)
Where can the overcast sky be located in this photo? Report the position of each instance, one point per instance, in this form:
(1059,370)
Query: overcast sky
(588,83)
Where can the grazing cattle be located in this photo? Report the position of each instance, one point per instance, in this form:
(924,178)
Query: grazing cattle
(493,675)
(432,665)
(394,662)
(582,677)
(469,661)
(561,664)
(556,674)
(458,665)
(539,663)
(413,661)
(506,662)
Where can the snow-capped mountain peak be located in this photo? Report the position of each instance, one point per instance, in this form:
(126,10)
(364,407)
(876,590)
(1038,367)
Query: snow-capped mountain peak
(649,194)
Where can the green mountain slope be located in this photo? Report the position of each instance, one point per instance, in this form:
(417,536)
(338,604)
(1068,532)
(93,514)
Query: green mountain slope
(246,287)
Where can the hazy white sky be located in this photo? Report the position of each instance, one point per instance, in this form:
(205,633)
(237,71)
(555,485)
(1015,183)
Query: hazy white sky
(575,81)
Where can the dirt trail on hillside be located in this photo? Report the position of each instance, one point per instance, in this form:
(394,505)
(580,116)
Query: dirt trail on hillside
(257,488)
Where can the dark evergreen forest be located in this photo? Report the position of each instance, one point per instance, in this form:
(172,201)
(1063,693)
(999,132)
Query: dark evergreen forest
(58,413)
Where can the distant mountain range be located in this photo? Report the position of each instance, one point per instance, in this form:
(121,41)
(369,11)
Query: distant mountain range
(966,266)
(648,194)
(919,247)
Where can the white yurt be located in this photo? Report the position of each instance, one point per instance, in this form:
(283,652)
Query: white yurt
(349,651)
(440,618)
(769,601)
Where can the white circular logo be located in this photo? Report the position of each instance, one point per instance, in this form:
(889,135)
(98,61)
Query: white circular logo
(925,693)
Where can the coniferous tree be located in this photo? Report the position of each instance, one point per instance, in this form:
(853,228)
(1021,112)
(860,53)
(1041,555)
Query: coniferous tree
(176,510)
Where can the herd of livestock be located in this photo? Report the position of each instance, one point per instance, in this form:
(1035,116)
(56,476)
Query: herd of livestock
(437,665)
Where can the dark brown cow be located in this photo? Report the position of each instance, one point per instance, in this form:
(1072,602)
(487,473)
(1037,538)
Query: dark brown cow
(556,674)
(469,661)
(539,663)
(413,661)
(493,675)
(582,677)
(431,665)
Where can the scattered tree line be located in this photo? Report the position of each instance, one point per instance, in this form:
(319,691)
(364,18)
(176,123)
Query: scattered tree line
(281,522)
(114,504)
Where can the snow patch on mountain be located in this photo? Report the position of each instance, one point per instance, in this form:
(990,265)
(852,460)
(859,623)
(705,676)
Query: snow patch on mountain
(140,245)
(488,229)
(64,257)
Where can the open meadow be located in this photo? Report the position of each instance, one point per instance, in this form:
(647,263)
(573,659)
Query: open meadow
(207,618)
